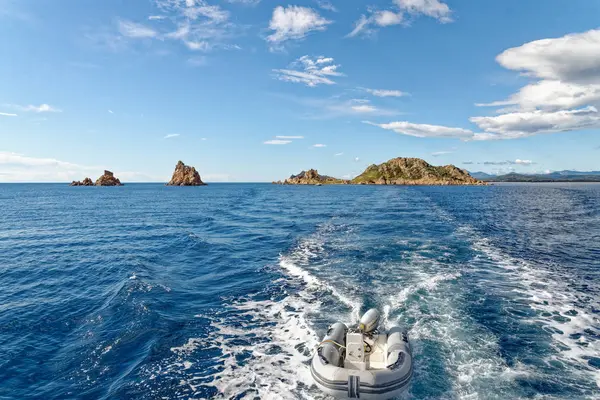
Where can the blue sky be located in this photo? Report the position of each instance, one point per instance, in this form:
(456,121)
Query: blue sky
(257,90)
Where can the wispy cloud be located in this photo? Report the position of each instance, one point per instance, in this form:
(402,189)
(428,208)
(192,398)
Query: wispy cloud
(386,93)
(289,137)
(318,145)
(278,142)
(110,112)
(294,22)
(506,162)
(37,109)
(172,135)
(135,30)
(356,159)
(311,71)
(338,154)
(8,114)
(425,130)
(369,23)
(326,5)
(441,153)
(157,17)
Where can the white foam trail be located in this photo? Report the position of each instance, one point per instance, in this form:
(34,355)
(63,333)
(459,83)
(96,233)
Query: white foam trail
(262,348)
(574,330)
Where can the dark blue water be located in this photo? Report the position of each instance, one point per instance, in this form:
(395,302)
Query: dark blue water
(150,292)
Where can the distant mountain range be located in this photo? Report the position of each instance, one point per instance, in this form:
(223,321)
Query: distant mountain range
(556,176)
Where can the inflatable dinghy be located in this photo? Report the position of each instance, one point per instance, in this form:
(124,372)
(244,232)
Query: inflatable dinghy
(364,362)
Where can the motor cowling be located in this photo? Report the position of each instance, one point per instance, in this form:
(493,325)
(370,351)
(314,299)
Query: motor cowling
(331,349)
(369,321)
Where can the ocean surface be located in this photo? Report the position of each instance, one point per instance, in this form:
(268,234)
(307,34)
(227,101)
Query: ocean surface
(153,292)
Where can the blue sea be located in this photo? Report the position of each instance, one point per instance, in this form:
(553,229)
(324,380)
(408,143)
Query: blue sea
(153,292)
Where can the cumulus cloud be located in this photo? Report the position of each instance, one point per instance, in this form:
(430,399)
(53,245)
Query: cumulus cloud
(310,71)
(294,22)
(319,145)
(172,135)
(278,142)
(425,130)
(386,93)
(289,137)
(528,123)
(565,95)
(367,24)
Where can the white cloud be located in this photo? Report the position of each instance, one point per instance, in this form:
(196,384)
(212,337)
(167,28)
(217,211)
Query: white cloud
(356,159)
(310,71)
(338,154)
(20,168)
(110,112)
(245,2)
(196,24)
(278,142)
(326,5)
(319,145)
(528,123)
(198,61)
(8,114)
(523,162)
(425,130)
(289,137)
(440,153)
(172,135)
(431,8)
(364,108)
(387,18)
(38,109)
(135,30)
(565,97)
(204,138)
(294,22)
(386,93)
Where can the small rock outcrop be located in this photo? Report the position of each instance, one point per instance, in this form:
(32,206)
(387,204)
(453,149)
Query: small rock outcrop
(108,179)
(85,182)
(311,177)
(185,175)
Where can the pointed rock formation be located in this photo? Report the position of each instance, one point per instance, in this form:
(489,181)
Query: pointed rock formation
(108,179)
(185,175)
(85,182)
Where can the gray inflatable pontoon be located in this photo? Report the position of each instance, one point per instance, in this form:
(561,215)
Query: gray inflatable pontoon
(363,363)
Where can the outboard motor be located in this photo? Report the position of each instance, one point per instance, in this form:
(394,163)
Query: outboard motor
(331,348)
(369,321)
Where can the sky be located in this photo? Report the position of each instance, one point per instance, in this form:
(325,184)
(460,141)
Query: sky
(257,90)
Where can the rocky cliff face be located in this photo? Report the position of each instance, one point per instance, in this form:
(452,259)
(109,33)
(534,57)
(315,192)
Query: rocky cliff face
(108,179)
(185,175)
(311,177)
(85,182)
(414,171)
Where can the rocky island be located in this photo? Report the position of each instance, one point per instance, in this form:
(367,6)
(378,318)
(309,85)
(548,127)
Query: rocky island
(108,179)
(185,175)
(311,177)
(85,182)
(397,171)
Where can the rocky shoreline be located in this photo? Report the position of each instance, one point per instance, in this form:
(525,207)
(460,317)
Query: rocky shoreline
(107,179)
